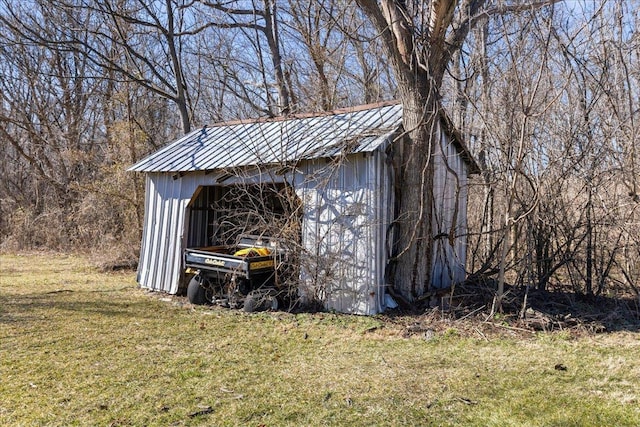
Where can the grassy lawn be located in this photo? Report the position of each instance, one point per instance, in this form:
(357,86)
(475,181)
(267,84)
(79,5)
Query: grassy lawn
(80,347)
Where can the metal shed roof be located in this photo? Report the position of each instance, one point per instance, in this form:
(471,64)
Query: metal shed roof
(245,143)
(299,137)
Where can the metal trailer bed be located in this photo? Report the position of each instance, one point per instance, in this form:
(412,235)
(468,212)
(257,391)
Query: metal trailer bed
(222,276)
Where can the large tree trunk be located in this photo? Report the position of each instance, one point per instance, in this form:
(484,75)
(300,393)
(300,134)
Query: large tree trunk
(418,89)
(415,243)
(419,46)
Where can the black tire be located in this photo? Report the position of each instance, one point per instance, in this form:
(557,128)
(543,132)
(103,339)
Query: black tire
(250,303)
(260,301)
(196,293)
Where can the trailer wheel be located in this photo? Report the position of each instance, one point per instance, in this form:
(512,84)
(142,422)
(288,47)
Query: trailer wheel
(250,303)
(196,292)
(260,301)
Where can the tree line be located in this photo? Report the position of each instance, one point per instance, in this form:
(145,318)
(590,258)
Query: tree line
(544,93)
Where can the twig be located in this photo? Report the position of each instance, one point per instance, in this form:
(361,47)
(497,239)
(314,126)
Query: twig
(203,411)
(481,334)
(466,401)
(524,303)
(512,328)
(472,313)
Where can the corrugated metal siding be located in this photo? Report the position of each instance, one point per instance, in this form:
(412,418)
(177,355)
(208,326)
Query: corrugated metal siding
(276,141)
(450,201)
(344,227)
(198,224)
(166,203)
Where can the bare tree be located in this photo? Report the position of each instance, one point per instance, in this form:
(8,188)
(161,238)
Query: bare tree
(46,127)
(259,21)
(332,69)
(569,194)
(69,128)
(140,41)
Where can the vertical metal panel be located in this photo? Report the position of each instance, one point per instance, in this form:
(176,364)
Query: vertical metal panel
(147,237)
(384,202)
(449,216)
(166,203)
(344,227)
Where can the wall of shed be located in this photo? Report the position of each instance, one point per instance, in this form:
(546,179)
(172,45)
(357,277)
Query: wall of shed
(166,199)
(348,209)
(449,220)
(345,217)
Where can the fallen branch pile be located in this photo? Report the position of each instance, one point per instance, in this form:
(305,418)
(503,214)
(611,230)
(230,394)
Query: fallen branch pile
(537,310)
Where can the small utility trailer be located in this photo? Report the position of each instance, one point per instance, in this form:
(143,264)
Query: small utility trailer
(242,275)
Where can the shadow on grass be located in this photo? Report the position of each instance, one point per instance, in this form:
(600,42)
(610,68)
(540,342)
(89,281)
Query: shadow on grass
(35,305)
(530,309)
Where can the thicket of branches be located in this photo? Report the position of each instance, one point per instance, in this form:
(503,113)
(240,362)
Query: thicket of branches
(545,94)
(548,101)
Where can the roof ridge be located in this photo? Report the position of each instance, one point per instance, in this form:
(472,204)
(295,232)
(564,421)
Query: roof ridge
(297,116)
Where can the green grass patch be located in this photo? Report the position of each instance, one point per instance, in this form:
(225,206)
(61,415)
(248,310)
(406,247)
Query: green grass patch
(80,347)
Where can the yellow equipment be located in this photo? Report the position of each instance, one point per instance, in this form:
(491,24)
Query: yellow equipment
(251,252)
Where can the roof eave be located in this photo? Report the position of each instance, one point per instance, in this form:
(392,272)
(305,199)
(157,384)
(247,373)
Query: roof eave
(458,140)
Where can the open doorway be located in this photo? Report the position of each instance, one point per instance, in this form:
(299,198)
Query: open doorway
(242,245)
(220,214)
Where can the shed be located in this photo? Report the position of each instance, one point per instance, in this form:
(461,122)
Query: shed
(338,164)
